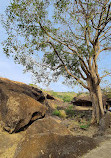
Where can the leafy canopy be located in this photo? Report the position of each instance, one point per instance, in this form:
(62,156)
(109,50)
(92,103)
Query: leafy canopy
(57,37)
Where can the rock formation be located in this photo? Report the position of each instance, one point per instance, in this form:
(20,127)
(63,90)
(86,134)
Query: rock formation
(23,106)
(85,100)
(82,100)
(19,105)
(46,138)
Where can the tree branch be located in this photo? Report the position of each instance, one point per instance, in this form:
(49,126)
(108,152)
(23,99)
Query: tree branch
(74,51)
(76,78)
(105,75)
(106,48)
(104,25)
(105,32)
(84,78)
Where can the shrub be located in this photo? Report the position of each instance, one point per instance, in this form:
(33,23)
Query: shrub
(84,126)
(60,113)
(67,98)
(56,112)
(71,107)
(70,111)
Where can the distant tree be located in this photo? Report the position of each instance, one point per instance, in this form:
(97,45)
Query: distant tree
(68,37)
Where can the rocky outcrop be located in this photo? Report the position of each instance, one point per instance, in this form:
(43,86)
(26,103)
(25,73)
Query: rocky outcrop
(82,100)
(47,125)
(46,138)
(85,100)
(50,145)
(9,143)
(105,123)
(20,104)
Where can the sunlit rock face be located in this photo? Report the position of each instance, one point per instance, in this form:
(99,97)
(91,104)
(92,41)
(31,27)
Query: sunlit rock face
(19,105)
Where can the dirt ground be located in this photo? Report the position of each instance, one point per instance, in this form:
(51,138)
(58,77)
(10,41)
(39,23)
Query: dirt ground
(78,121)
(103,151)
(104,141)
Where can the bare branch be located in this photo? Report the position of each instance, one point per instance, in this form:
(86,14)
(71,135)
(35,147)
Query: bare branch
(56,39)
(105,37)
(84,78)
(101,15)
(104,23)
(106,48)
(105,75)
(77,79)
(105,32)
(77,37)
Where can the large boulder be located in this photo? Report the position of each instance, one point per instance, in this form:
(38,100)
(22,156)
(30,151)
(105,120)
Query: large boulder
(50,145)
(46,125)
(82,100)
(46,138)
(20,104)
(9,143)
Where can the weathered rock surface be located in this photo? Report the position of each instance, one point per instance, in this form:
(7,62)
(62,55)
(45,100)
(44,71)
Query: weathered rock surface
(82,100)
(105,123)
(50,145)
(19,104)
(47,125)
(22,105)
(46,138)
(85,100)
(9,142)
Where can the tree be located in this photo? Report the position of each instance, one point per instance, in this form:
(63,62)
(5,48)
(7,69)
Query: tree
(68,34)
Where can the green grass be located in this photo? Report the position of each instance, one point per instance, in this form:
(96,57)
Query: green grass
(64,96)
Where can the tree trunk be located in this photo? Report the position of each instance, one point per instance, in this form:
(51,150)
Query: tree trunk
(97,102)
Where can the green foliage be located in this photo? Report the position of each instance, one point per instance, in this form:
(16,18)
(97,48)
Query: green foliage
(107,91)
(67,98)
(64,96)
(47,36)
(60,113)
(71,107)
(109,94)
(69,111)
(79,93)
(56,112)
(85,127)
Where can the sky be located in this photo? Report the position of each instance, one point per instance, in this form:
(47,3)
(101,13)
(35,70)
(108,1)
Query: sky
(8,69)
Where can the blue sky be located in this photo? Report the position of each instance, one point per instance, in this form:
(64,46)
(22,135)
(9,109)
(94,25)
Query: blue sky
(9,69)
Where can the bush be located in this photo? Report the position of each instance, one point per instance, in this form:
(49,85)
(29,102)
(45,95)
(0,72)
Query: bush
(86,126)
(60,113)
(56,112)
(67,98)
(70,111)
